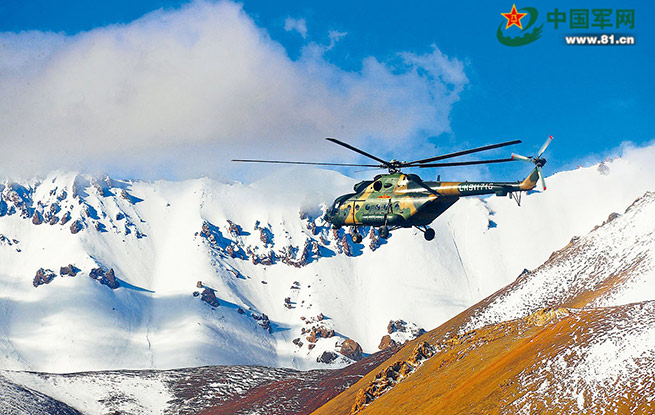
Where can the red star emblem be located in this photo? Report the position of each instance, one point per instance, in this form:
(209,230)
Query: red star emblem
(513,18)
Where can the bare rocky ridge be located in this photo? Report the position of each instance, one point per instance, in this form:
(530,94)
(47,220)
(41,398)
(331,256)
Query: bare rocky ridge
(201,390)
(17,399)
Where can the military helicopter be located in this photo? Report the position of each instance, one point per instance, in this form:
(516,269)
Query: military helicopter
(399,200)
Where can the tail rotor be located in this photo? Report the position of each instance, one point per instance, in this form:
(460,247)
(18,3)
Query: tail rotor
(537,160)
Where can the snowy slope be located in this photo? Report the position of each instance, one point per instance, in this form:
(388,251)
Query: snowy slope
(612,265)
(162,238)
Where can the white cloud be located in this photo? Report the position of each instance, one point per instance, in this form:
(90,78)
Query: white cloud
(203,79)
(335,36)
(298,25)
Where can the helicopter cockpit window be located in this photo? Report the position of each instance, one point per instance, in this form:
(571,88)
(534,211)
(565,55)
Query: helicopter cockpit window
(334,207)
(377,186)
(387,185)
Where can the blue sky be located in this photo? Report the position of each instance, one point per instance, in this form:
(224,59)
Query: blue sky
(590,98)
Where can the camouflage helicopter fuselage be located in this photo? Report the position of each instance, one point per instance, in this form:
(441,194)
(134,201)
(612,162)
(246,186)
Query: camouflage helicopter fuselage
(400,200)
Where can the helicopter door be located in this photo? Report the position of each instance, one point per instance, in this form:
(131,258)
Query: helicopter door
(349,213)
(353,215)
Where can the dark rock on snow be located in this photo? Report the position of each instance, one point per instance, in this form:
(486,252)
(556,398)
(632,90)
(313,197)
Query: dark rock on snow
(43,276)
(70,270)
(327,357)
(209,296)
(105,277)
(76,226)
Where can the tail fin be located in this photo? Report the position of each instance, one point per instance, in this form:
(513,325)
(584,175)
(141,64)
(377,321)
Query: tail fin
(531,181)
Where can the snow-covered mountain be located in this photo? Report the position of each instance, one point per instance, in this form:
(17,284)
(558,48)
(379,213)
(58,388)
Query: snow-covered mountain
(98,273)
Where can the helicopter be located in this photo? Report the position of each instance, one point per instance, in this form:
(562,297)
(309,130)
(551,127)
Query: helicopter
(402,200)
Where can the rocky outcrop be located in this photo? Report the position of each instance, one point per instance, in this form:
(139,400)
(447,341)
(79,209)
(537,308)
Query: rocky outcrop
(387,342)
(209,296)
(65,218)
(43,276)
(36,218)
(375,240)
(19,200)
(401,326)
(216,241)
(8,241)
(545,315)
(391,375)
(289,254)
(235,230)
(327,357)
(399,332)
(263,321)
(229,250)
(76,226)
(265,235)
(105,277)
(70,270)
(351,349)
(319,332)
(50,215)
(422,351)
(345,246)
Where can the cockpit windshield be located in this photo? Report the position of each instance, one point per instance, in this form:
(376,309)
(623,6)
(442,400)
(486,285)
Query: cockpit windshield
(335,207)
(337,203)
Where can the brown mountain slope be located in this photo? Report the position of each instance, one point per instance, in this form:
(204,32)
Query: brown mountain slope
(526,349)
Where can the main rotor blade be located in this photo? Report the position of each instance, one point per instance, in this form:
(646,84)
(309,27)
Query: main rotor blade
(310,163)
(355,149)
(463,163)
(543,148)
(520,157)
(464,152)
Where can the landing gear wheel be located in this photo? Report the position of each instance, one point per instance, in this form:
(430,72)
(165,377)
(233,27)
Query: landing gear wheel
(384,232)
(357,238)
(429,234)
